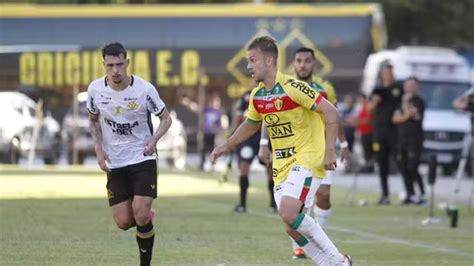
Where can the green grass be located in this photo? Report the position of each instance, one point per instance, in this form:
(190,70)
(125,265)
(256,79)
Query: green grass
(195,226)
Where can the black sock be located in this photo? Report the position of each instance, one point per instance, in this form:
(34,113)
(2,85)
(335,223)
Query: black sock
(145,239)
(244,185)
(270,185)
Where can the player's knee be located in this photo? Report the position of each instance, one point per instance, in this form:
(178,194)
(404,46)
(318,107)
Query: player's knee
(323,193)
(124,224)
(142,217)
(288,217)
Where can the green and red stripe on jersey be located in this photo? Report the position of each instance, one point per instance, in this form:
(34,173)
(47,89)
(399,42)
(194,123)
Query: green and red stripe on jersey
(265,106)
(268,103)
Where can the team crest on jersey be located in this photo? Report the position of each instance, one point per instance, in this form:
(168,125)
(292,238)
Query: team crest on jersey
(118,110)
(132,106)
(278,103)
(271,119)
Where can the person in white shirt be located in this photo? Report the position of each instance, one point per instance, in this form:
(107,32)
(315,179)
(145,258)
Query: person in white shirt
(120,108)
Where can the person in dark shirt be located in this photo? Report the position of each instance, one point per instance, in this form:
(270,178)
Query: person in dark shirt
(247,151)
(383,102)
(409,119)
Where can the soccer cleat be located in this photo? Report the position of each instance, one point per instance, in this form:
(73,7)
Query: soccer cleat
(240,209)
(299,254)
(409,201)
(274,209)
(347,260)
(384,201)
(152,214)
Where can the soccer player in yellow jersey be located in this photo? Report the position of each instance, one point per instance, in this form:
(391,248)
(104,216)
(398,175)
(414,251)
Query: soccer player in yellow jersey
(303,146)
(304,63)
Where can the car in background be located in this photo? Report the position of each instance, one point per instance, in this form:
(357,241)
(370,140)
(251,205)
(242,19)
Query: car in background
(172,147)
(17,130)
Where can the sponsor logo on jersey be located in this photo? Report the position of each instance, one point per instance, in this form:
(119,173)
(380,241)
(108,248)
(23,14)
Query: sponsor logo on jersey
(284,153)
(121,128)
(152,103)
(106,97)
(126,99)
(301,86)
(132,106)
(118,110)
(278,131)
(271,119)
(283,168)
(296,168)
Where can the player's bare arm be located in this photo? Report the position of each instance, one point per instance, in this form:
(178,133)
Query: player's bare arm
(345,153)
(96,132)
(165,123)
(243,132)
(331,118)
(264,152)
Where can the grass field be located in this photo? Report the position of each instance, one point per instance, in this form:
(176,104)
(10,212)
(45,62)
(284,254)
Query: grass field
(64,219)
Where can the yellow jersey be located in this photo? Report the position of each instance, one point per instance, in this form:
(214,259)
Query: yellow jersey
(296,134)
(324,88)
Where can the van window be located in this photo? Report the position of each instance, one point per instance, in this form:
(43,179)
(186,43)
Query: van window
(440,95)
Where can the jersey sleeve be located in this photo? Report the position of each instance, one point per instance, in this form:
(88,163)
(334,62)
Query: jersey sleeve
(331,92)
(154,103)
(252,114)
(302,93)
(92,101)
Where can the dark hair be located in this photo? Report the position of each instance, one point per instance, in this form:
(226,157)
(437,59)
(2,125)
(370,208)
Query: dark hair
(305,50)
(415,79)
(266,44)
(387,65)
(114,49)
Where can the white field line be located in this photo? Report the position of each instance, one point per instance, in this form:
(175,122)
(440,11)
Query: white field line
(362,234)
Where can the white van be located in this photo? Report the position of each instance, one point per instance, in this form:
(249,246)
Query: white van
(444,75)
(18,120)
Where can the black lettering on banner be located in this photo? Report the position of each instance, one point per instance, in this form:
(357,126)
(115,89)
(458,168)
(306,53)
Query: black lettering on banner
(285,153)
(280,131)
(271,119)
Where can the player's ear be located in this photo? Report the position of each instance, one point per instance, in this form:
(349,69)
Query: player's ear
(128,61)
(269,60)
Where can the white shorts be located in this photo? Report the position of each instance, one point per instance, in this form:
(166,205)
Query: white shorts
(328,179)
(300,184)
